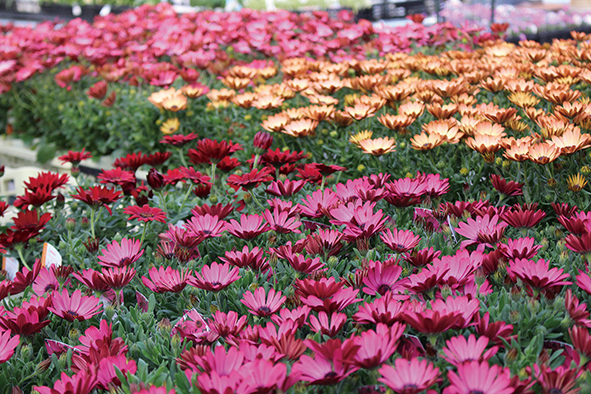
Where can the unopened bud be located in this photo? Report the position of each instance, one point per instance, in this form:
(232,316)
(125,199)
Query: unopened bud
(85,223)
(70,224)
(155,179)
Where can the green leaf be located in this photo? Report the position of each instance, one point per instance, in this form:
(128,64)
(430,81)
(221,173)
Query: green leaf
(46,153)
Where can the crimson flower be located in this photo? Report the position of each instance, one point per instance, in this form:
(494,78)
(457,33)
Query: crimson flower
(7,346)
(48,180)
(166,280)
(493,330)
(75,157)
(219,210)
(310,174)
(131,162)
(215,277)
(75,307)
(246,258)
(507,188)
(539,276)
(80,383)
(92,279)
(25,278)
(560,380)
(262,304)
(209,151)
(120,255)
(277,157)
(523,218)
(29,220)
(304,264)
(459,350)
(250,180)
(145,213)
(24,322)
(178,140)
(117,176)
(409,376)
(118,277)
(400,241)
(157,158)
(97,196)
(422,257)
(480,377)
(431,321)
(35,198)
(581,245)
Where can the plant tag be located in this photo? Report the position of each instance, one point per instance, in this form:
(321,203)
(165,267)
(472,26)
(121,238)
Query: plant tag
(50,256)
(10,265)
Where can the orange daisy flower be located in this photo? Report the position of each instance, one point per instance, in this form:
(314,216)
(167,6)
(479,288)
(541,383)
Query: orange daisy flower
(378,146)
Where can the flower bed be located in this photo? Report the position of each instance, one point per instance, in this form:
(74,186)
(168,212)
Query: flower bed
(417,222)
(137,52)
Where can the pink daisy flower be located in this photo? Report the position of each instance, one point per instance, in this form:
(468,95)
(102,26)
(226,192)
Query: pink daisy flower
(215,277)
(409,377)
(75,307)
(261,304)
(121,255)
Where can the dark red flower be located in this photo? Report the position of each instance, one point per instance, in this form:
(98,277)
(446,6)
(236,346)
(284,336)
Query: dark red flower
(219,210)
(250,180)
(145,213)
(310,174)
(131,162)
(277,157)
(117,176)
(157,158)
(519,217)
(75,157)
(507,188)
(98,90)
(178,140)
(97,196)
(209,151)
(47,179)
(30,221)
(35,198)
(262,140)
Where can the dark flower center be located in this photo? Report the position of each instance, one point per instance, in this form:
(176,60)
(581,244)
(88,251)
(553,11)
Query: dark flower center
(331,374)
(476,392)
(555,391)
(215,284)
(125,261)
(49,287)
(410,386)
(146,215)
(265,310)
(383,289)
(73,315)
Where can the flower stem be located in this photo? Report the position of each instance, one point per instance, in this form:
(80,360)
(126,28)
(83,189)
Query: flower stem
(143,233)
(213,178)
(92,222)
(19,249)
(182,157)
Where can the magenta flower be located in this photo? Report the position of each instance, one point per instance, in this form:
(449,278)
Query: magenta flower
(253,258)
(261,304)
(206,226)
(538,277)
(166,280)
(7,346)
(106,370)
(215,277)
(385,310)
(263,376)
(381,278)
(121,255)
(229,324)
(375,347)
(281,221)
(400,241)
(328,327)
(459,350)
(485,230)
(480,377)
(76,307)
(79,383)
(409,376)
(250,226)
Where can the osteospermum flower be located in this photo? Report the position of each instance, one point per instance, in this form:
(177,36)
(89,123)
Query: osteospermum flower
(7,346)
(81,382)
(75,157)
(145,213)
(215,277)
(170,126)
(459,350)
(97,196)
(378,146)
(251,180)
(510,188)
(479,377)
(400,241)
(409,376)
(539,276)
(262,304)
(120,255)
(484,230)
(576,183)
(75,307)
(166,280)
